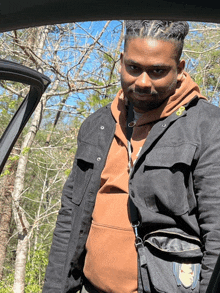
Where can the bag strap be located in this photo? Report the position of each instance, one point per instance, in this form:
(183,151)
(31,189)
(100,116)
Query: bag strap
(130,124)
(133,211)
(134,216)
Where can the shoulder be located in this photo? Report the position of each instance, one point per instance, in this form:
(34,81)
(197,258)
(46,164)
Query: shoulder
(92,123)
(102,113)
(207,106)
(208,115)
(204,110)
(206,118)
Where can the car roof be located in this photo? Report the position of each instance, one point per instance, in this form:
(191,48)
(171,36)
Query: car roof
(25,13)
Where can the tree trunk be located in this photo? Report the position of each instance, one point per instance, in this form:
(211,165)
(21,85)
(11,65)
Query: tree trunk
(5,217)
(6,210)
(19,215)
(20,263)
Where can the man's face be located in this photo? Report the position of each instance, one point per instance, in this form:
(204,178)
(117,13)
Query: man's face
(149,72)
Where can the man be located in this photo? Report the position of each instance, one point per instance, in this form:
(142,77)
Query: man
(169,167)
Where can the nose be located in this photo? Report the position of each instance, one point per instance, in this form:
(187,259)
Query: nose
(143,81)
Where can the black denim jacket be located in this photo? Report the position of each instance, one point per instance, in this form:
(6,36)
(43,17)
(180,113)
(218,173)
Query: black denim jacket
(175,184)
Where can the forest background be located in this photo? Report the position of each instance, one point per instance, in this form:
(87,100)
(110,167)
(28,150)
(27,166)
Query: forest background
(82,62)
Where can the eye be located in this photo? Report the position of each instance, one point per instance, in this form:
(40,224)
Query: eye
(133,67)
(158,71)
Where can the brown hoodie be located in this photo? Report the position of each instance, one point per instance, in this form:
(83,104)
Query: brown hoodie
(111,259)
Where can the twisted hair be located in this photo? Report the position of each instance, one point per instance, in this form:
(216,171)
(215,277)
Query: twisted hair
(173,31)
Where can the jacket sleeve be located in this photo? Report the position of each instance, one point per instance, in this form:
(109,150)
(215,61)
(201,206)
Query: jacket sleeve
(57,256)
(207,188)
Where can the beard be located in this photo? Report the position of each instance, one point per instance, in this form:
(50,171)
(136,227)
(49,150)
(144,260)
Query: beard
(146,105)
(146,100)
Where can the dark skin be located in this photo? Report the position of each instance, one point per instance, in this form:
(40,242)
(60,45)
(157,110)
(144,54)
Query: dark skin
(149,72)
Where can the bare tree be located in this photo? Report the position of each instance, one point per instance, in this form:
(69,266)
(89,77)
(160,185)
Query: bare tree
(6,211)
(202,54)
(71,55)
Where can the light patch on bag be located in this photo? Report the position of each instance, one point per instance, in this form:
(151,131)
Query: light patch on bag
(186,275)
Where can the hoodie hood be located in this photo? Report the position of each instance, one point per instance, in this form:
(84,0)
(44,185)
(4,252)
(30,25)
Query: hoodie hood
(186,90)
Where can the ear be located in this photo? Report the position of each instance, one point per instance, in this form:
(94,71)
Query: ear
(121,60)
(180,69)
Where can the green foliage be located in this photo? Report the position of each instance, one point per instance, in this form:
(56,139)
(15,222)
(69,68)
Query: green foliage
(6,284)
(13,158)
(8,103)
(35,270)
(67,172)
(6,172)
(25,150)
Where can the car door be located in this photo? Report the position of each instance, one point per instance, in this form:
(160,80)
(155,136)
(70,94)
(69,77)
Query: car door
(38,84)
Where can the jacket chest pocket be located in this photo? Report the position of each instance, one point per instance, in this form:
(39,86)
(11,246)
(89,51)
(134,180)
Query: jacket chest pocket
(84,165)
(166,178)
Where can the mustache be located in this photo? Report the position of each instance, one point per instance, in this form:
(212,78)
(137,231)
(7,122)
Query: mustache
(144,92)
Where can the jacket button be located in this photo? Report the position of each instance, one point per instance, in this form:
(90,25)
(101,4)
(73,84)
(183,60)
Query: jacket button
(102,127)
(99,159)
(164,125)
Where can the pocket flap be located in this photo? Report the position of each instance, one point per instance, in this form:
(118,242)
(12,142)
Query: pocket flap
(85,159)
(170,155)
(86,152)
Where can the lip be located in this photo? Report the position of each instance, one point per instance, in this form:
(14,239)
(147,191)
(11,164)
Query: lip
(142,96)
